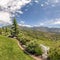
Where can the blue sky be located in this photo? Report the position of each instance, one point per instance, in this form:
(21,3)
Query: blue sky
(41,13)
(30,12)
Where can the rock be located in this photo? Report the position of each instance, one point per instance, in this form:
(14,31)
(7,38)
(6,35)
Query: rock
(45,50)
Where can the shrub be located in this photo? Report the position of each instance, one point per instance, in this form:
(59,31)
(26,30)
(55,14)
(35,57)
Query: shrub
(54,54)
(23,39)
(34,48)
(38,51)
(31,48)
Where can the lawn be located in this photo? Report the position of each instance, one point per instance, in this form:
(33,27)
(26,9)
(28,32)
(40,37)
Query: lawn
(9,50)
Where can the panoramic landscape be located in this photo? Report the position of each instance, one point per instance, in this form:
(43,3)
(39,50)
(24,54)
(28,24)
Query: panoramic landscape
(29,29)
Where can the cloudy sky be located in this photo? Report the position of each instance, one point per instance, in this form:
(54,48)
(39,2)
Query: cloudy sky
(30,12)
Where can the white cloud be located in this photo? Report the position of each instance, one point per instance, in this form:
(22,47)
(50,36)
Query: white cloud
(25,25)
(42,5)
(47,22)
(46,3)
(57,21)
(37,1)
(5,17)
(22,22)
(9,7)
(51,22)
(53,1)
(20,12)
(53,5)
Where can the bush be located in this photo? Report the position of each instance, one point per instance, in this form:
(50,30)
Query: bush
(1,31)
(31,48)
(54,54)
(38,51)
(34,48)
(23,39)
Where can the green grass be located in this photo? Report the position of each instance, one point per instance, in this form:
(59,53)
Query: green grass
(49,43)
(9,50)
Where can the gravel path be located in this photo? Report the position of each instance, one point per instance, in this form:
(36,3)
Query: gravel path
(35,57)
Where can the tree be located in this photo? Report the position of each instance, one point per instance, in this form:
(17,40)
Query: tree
(1,31)
(14,29)
(6,31)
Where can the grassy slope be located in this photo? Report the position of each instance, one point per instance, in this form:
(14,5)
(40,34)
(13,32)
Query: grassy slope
(9,50)
(46,38)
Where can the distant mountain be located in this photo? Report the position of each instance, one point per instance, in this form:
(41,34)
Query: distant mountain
(41,28)
(46,29)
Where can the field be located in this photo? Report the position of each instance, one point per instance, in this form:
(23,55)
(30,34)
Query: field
(9,50)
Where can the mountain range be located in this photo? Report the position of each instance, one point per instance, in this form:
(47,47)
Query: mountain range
(43,29)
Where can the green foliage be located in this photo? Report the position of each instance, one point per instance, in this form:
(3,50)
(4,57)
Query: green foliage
(34,48)
(1,31)
(38,51)
(33,39)
(51,40)
(24,40)
(7,31)
(14,29)
(54,54)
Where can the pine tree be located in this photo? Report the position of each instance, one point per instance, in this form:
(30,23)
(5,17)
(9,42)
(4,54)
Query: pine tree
(14,29)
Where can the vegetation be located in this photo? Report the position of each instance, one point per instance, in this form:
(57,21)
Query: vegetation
(9,50)
(1,31)
(51,40)
(54,54)
(14,29)
(31,39)
(34,48)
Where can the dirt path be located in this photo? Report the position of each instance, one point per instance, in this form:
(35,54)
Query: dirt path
(36,58)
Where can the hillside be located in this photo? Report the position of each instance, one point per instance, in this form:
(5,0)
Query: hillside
(9,50)
(38,35)
(43,29)
(31,39)
(47,29)
(49,39)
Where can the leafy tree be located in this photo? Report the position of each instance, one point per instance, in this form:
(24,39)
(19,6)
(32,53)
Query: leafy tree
(7,31)
(14,29)
(0,30)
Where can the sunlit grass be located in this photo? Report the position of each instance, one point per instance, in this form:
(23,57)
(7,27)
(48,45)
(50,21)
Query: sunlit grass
(9,50)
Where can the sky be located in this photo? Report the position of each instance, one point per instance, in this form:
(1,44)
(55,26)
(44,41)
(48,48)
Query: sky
(30,12)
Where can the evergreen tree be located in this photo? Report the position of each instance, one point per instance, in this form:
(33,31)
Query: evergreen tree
(6,29)
(14,31)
